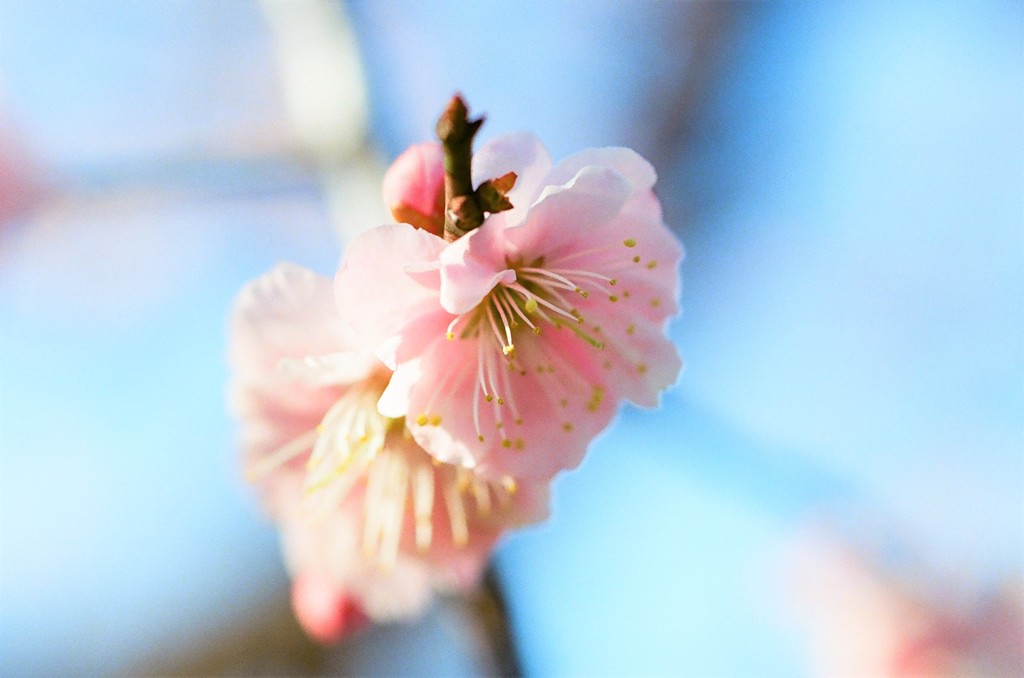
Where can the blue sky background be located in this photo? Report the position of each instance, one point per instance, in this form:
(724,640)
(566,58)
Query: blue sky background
(851,196)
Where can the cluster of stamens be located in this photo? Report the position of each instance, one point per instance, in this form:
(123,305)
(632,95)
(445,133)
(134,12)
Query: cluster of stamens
(353,444)
(540,296)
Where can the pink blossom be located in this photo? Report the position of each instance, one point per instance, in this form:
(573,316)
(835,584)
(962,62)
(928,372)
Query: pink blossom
(513,345)
(414,187)
(861,618)
(371,524)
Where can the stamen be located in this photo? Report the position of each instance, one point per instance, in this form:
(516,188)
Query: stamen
(395,496)
(511,302)
(282,455)
(456,515)
(548,273)
(483,498)
(373,506)
(450,333)
(588,253)
(585,274)
(529,295)
(423,503)
(497,332)
(508,347)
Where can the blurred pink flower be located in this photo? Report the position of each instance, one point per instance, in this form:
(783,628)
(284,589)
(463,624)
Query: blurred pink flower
(513,345)
(414,187)
(862,619)
(20,185)
(371,524)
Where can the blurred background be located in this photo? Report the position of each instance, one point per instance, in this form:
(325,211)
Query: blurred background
(836,485)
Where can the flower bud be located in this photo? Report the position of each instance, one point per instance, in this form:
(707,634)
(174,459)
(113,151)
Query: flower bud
(414,187)
(326,614)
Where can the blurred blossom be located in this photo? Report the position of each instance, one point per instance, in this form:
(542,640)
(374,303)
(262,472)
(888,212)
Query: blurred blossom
(20,175)
(863,618)
(367,517)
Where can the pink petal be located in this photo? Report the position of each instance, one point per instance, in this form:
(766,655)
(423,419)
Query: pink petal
(394,402)
(471,267)
(629,316)
(625,161)
(639,360)
(564,216)
(286,314)
(548,414)
(380,284)
(521,153)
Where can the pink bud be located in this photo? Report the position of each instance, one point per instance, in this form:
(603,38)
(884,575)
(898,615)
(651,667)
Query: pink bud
(325,613)
(414,187)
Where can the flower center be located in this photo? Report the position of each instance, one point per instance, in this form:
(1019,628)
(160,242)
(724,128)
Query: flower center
(541,297)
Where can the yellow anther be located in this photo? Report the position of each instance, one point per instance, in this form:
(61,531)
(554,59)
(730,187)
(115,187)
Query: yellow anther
(567,426)
(655,302)
(536,330)
(501,401)
(530,306)
(507,350)
(422,420)
(641,368)
(625,294)
(450,336)
(519,443)
(506,443)
(519,421)
(613,298)
(480,438)
(435,420)
(488,397)
(509,484)
(631,329)
(499,424)
(319,428)
(564,402)
(652,263)
(629,242)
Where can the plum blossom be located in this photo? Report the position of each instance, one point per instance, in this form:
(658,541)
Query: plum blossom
(512,346)
(371,524)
